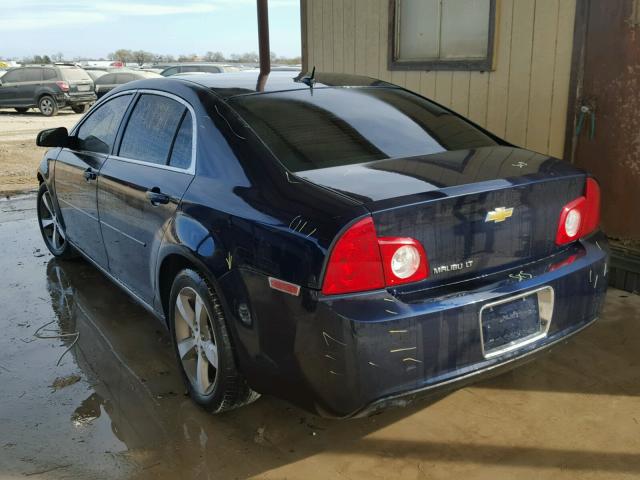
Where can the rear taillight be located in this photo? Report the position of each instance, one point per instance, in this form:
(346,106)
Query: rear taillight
(361,261)
(403,260)
(64,86)
(581,216)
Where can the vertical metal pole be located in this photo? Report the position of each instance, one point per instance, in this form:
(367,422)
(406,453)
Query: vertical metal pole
(263,43)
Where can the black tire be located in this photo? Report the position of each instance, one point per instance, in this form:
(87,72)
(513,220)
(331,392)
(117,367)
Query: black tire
(21,109)
(48,106)
(229,388)
(79,108)
(48,213)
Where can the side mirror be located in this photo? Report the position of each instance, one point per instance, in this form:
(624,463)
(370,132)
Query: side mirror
(55,137)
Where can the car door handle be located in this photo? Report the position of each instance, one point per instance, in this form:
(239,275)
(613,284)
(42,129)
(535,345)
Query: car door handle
(156,197)
(90,175)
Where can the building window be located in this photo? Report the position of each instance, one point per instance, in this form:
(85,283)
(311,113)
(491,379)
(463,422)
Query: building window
(441,34)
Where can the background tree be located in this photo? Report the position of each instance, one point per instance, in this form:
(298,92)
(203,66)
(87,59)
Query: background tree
(141,57)
(193,57)
(57,57)
(121,55)
(214,56)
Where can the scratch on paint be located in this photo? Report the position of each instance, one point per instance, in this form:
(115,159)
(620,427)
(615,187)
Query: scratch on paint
(598,245)
(605,269)
(298,224)
(398,331)
(595,284)
(402,349)
(294,219)
(329,356)
(335,373)
(590,273)
(391,312)
(229,260)
(409,359)
(373,364)
(389,300)
(328,337)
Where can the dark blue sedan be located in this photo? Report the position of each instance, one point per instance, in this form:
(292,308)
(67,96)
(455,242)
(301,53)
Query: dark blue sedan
(336,241)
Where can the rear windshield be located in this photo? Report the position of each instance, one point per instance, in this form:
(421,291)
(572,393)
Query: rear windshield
(75,74)
(340,126)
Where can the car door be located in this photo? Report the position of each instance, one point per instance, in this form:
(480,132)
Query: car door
(141,186)
(32,81)
(9,88)
(76,176)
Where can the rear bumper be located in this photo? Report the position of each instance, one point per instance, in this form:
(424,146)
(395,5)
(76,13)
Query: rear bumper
(73,100)
(355,354)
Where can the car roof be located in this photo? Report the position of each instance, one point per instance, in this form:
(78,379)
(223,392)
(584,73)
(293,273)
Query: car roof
(228,85)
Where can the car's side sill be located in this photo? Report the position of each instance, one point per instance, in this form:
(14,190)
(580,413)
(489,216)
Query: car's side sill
(127,290)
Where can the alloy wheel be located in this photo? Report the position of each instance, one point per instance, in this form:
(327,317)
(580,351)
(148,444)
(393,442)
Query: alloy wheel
(51,227)
(46,105)
(195,338)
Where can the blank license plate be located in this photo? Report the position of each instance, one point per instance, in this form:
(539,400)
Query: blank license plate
(83,88)
(510,323)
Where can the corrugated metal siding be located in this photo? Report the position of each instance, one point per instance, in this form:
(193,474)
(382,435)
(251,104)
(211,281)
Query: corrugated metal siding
(524,99)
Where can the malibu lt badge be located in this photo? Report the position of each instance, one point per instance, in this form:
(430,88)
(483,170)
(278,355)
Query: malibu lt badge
(453,267)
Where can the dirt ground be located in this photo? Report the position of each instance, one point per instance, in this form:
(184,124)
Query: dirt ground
(114,405)
(19,155)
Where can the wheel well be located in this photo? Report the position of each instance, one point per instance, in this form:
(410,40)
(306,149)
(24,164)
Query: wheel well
(45,94)
(171,265)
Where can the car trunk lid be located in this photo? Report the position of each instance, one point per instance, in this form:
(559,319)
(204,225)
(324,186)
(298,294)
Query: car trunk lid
(475,211)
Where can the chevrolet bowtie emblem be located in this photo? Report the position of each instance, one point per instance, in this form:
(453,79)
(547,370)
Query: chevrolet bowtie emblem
(498,215)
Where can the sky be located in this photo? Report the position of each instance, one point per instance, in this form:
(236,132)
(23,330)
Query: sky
(94,28)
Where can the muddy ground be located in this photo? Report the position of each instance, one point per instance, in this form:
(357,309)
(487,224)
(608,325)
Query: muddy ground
(19,155)
(114,407)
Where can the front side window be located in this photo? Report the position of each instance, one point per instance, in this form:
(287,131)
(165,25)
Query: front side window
(98,131)
(170,71)
(337,126)
(13,76)
(443,34)
(151,129)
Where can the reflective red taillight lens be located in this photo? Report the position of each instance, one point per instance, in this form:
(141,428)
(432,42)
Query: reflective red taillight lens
(592,208)
(403,259)
(64,86)
(361,261)
(355,264)
(581,216)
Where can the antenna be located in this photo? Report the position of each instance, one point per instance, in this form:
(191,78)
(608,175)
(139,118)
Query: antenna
(309,80)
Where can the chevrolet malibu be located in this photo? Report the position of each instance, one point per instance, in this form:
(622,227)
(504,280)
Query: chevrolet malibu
(336,241)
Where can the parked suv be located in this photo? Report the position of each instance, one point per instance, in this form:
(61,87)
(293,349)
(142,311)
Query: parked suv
(47,87)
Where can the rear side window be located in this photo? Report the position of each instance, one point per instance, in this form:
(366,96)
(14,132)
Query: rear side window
(49,74)
(151,129)
(181,152)
(170,71)
(98,131)
(107,79)
(32,75)
(338,126)
(75,74)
